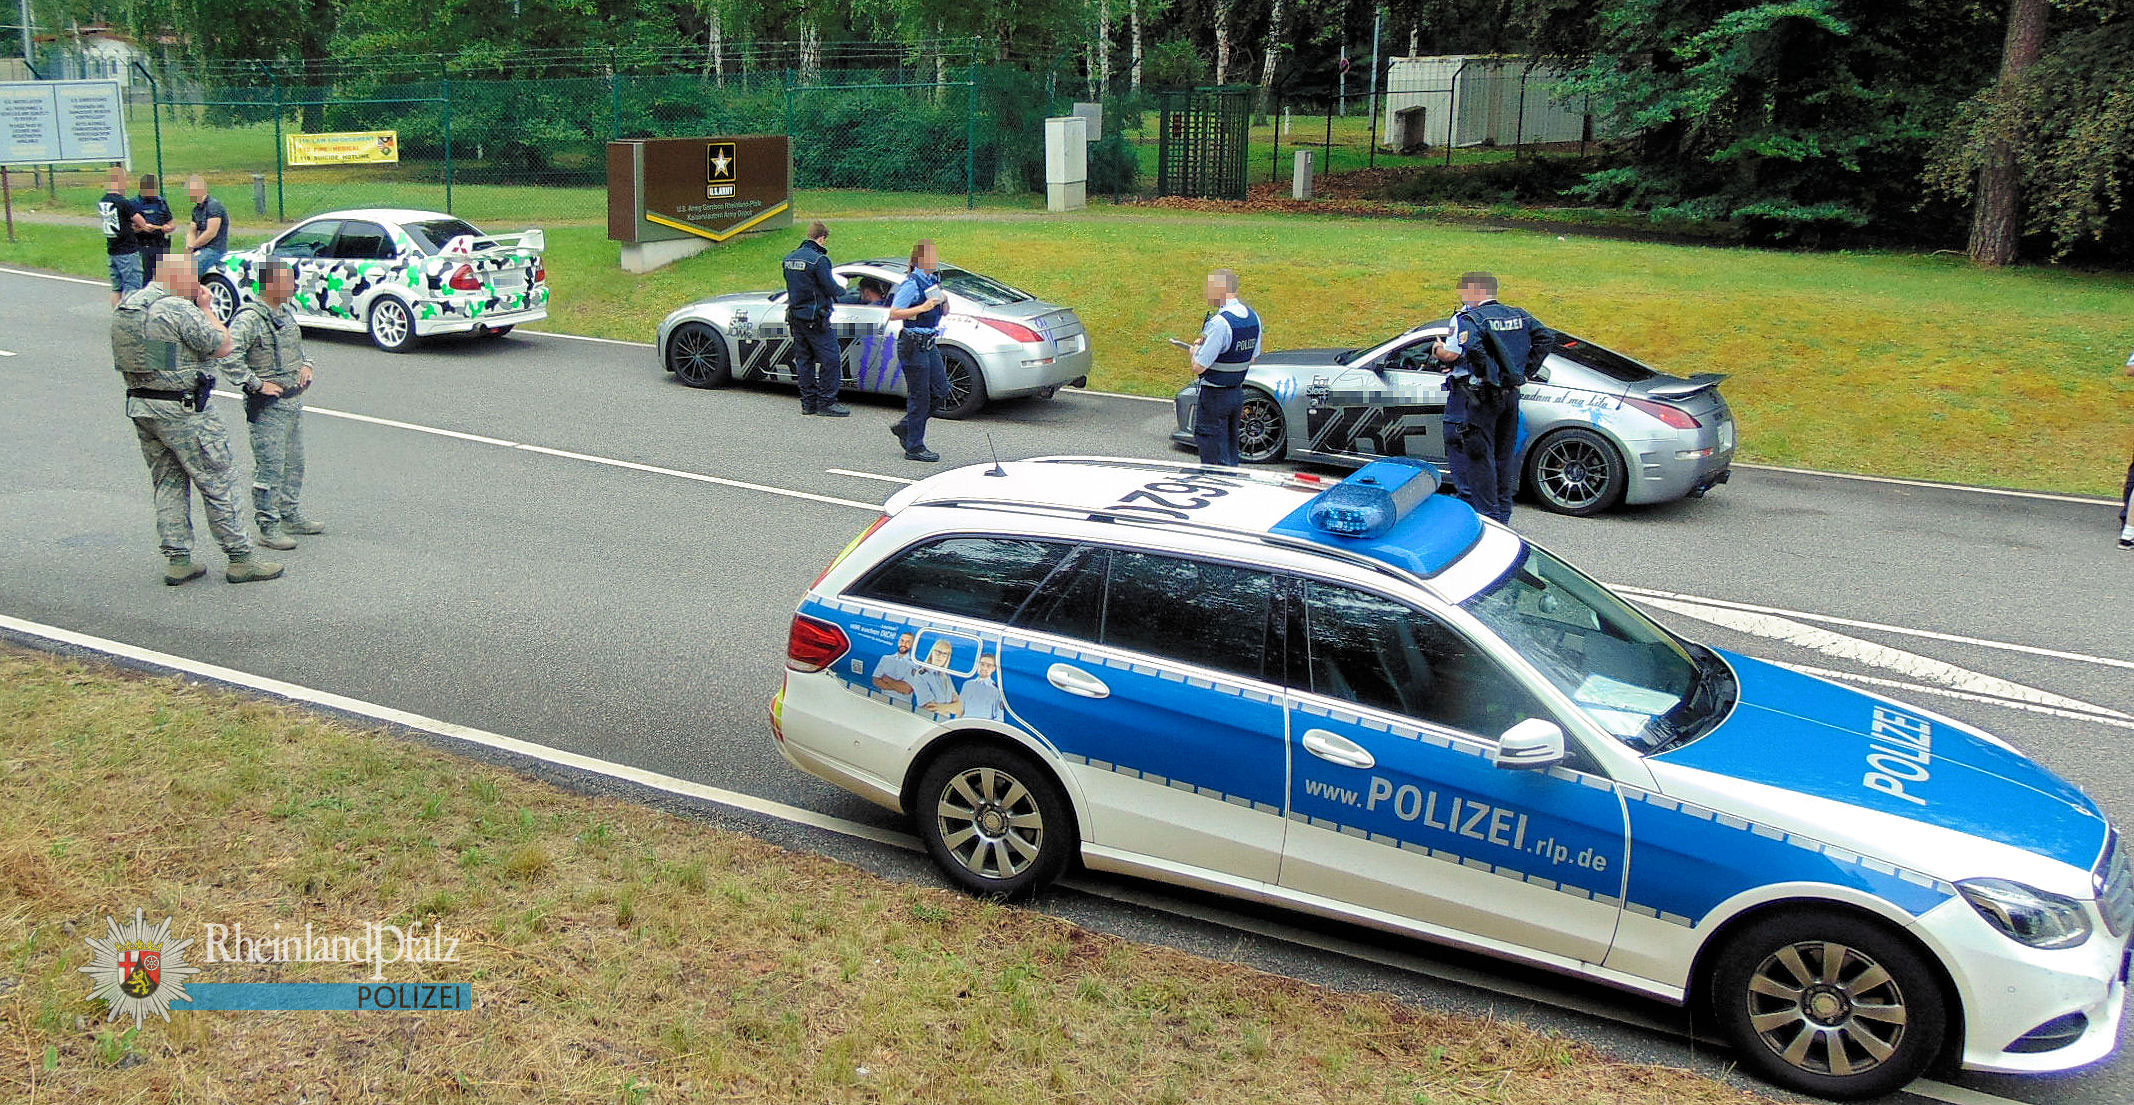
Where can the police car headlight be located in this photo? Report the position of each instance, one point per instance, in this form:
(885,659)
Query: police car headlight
(2028,915)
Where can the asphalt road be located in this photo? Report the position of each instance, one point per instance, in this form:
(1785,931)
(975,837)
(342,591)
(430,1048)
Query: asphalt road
(550,539)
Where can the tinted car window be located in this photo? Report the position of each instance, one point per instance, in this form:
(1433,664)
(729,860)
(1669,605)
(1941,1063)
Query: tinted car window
(977,577)
(1071,603)
(309,240)
(432,234)
(363,242)
(1376,652)
(985,291)
(1607,362)
(1213,615)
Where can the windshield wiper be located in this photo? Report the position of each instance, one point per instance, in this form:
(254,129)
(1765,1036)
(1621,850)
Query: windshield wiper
(1700,706)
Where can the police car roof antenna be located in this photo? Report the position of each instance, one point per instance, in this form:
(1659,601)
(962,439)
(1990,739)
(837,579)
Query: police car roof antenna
(996,470)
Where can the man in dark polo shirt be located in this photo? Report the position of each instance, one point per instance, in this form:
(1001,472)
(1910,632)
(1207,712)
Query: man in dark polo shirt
(155,211)
(211,228)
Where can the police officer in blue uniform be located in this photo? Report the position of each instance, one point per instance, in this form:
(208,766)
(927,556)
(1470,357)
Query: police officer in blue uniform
(1228,342)
(1492,349)
(920,304)
(811,291)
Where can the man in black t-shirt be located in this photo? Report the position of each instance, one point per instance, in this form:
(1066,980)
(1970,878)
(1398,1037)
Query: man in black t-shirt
(156,213)
(122,224)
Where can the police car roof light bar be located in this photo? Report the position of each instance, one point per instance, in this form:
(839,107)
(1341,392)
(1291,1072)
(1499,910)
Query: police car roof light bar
(1373,500)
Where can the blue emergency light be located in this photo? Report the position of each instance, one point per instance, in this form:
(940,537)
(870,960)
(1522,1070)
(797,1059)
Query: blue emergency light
(1389,510)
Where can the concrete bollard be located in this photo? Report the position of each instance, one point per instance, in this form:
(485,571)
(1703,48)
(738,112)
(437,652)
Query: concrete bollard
(259,193)
(1300,183)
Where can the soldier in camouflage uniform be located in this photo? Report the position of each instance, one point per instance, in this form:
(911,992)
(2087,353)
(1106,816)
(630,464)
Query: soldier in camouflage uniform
(267,360)
(163,342)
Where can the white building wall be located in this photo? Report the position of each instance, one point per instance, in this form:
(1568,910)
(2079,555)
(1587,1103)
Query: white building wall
(1475,100)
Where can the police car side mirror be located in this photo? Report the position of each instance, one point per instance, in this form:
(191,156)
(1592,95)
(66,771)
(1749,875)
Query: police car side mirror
(1531,745)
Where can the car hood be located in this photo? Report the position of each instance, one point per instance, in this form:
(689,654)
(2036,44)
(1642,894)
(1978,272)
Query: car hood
(1798,733)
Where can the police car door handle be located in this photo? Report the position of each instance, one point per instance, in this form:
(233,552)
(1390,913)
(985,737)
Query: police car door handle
(1075,681)
(1337,749)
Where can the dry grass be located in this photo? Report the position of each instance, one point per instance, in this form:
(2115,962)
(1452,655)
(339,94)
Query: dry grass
(619,954)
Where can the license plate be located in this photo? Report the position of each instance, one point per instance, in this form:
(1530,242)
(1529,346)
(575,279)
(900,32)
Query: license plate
(511,280)
(1726,435)
(1075,344)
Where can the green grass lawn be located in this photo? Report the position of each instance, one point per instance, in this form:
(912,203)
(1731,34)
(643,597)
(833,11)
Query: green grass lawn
(1890,364)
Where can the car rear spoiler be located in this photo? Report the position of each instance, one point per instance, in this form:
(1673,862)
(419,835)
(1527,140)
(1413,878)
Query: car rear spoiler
(1701,382)
(467,245)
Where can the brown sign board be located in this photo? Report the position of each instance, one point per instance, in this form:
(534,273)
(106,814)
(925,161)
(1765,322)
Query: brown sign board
(663,189)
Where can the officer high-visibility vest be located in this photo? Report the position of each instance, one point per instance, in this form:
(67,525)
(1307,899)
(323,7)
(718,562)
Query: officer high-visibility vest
(1230,364)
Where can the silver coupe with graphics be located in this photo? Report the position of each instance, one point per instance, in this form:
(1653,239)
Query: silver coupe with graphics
(398,275)
(1599,430)
(998,342)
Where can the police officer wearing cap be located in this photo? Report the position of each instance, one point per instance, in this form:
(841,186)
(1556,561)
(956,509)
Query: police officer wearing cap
(1492,349)
(811,292)
(1228,341)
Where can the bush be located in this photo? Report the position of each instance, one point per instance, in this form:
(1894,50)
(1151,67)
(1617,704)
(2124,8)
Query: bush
(1113,168)
(1533,180)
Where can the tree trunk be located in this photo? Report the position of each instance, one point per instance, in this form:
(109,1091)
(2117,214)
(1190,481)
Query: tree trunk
(1223,10)
(1415,39)
(1274,44)
(715,43)
(810,53)
(1103,49)
(1997,209)
(1133,19)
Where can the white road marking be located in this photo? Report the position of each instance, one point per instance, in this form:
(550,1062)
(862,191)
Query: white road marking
(56,276)
(2010,492)
(588,458)
(1987,699)
(870,476)
(2034,650)
(5,353)
(653,780)
(582,337)
(1912,664)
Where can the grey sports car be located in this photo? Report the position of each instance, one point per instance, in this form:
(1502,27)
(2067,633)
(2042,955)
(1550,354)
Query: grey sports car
(997,341)
(1598,430)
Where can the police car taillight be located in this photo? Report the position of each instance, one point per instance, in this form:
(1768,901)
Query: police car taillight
(1375,499)
(1674,416)
(814,644)
(464,280)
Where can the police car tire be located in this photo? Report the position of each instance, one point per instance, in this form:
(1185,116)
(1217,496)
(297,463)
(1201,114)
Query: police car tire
(957,361)
(1587,448)
(950,823)
(385,308)
(709,367)
(1913,984)
(222,296)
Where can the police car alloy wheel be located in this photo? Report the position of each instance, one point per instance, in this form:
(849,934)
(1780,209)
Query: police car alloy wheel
(966,386)
(1829,1005)
(994,821)
(1576,472)
(697,356)
(391,327)
(1262,435)
(221,298)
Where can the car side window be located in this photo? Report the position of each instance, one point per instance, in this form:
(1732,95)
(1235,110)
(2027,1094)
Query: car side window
(1071,603)
(308,241)
(1213,615)
(361,241)
(1376,652)
(977,577)
(1415,357)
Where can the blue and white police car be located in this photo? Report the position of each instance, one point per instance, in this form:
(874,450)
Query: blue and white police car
(1362,701)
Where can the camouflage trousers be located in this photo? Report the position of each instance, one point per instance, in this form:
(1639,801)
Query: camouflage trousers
(278,461)
(186,450)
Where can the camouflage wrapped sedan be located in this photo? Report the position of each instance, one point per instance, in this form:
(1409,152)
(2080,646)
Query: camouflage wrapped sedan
(1599,430)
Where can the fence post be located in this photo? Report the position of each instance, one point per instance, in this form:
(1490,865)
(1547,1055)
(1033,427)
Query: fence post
(970,135)
(446,83)
(1274,167)
(1329,163)
(1377,105)
(281,213)
(155,115)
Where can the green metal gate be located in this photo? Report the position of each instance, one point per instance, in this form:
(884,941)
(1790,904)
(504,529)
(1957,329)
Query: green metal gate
(1201,149)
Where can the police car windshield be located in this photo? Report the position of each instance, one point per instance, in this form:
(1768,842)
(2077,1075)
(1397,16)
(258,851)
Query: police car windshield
(984,291)
(1607,362)
(432,234)
(1638,681)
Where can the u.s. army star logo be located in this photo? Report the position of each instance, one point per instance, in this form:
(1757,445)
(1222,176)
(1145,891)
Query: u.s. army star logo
(724,164)
(139,970)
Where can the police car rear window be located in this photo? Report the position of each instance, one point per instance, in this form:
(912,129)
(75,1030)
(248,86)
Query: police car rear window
(985,291)
(432,234)
(977,577)
(1607,362)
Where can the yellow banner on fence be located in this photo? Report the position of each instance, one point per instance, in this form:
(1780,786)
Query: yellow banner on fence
(348,148)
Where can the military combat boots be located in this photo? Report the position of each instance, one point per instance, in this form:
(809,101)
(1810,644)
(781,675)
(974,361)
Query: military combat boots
(302,527)
(181,569)
(271,537)
(244,569)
